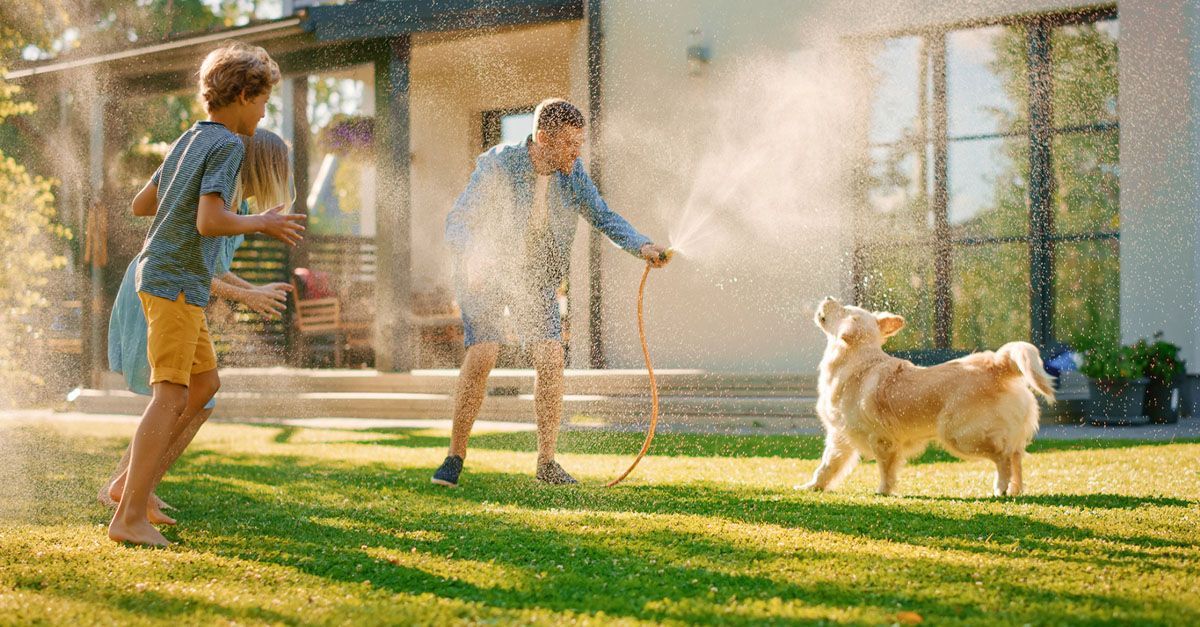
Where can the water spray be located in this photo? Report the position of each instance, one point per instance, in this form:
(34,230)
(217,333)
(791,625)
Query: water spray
(663,256)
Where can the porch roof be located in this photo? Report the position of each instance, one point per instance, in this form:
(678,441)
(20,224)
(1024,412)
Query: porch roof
(314,39)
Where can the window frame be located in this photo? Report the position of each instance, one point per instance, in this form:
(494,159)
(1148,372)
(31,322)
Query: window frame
(1040,131)
(490,122)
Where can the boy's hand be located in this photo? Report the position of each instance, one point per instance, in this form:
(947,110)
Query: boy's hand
(285,228)
(654,254)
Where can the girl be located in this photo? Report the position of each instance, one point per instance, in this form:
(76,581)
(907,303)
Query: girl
(264,177)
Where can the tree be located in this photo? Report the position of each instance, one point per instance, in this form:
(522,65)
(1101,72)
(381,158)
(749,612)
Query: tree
(32,241)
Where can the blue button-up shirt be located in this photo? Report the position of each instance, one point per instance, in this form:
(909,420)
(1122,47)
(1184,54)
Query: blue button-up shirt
(491,217)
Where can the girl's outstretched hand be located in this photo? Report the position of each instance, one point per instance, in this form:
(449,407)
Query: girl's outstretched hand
(269,300)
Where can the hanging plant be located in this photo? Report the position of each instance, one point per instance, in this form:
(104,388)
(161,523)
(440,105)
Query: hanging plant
(349,135)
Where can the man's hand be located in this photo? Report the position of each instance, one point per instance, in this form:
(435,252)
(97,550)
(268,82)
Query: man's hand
(283,227)
(655,255)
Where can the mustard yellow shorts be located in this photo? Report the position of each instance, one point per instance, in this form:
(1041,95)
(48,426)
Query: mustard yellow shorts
(178,344)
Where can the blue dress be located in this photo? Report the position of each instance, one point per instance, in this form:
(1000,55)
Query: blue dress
(127,324)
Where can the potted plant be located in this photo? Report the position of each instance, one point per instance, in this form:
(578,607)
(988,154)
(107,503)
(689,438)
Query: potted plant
(1163,369)
(1116,383)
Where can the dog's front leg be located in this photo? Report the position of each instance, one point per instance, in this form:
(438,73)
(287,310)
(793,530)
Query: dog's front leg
(888,459)
(1004,471)
(837,461)
(1016,483)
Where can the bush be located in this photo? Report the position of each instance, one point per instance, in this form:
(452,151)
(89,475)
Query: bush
(1113,361)
(1161,358)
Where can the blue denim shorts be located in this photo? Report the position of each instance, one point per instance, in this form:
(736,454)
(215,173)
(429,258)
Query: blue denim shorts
(512,314)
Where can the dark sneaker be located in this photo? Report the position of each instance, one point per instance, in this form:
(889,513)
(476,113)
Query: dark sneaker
(447,473)
(553,474)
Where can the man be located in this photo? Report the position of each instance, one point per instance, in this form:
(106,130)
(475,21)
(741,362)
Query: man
(511,231)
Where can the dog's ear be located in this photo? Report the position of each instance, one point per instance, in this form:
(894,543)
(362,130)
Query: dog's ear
(889,323)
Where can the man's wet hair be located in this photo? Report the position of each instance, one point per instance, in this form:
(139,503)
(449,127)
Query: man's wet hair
(553,114)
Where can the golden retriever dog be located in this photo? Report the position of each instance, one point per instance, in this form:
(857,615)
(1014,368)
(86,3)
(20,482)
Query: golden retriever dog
(886,408)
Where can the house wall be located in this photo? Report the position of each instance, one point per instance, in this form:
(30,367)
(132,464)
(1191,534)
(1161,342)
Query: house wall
(1160,180)
(779,241)
(455,78)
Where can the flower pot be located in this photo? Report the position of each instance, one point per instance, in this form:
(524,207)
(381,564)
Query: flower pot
(1116,401)
(1189,395)
(1161,403)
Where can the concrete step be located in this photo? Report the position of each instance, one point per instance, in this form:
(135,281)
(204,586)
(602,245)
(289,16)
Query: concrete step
(614,398)
(417,405)
(508,382)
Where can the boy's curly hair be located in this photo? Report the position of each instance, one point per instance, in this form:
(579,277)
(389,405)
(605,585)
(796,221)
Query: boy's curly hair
(233,70)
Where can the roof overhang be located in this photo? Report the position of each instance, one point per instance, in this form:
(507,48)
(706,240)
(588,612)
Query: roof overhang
(315,39)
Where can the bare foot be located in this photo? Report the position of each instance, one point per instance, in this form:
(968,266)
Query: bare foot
(105,497)
(116,488)
(141,532)
(155,515)
(110,496)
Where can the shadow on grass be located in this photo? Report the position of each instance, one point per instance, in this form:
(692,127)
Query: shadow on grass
(498,542)
(630,567)
(1082,501)
(1039,446)
(620,443)
(285,435)
(703,445)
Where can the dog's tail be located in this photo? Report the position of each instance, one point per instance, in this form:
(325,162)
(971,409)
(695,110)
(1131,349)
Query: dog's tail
(1028,360)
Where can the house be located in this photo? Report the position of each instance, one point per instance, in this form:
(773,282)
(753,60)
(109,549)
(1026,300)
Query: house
(1024,170)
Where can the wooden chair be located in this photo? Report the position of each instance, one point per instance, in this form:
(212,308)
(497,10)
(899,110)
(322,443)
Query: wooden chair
(438,323)
(68,341)
(323,316)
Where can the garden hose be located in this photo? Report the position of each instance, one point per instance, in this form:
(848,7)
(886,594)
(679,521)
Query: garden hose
(666,255)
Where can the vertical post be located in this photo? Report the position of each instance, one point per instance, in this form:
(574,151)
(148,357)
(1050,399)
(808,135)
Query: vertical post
(70,211)
(922,146)
(394,346)
(1192,15)
(595,72)
(1041,181)
(94,356)
(295,126)
(858,165)
(942,260)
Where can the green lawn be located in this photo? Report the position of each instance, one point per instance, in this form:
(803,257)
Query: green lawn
(283,525)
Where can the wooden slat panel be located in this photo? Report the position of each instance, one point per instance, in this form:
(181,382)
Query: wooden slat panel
(244,337)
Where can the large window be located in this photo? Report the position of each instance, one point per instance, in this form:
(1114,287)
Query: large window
(991,189)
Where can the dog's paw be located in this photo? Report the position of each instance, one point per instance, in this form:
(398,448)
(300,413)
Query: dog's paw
(811,486)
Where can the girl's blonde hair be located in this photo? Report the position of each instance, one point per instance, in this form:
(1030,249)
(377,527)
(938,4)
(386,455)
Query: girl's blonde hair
(266,171)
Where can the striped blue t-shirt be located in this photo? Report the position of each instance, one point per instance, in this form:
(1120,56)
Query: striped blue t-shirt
(175,257)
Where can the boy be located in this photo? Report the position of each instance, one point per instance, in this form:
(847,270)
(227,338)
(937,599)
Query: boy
(190,196)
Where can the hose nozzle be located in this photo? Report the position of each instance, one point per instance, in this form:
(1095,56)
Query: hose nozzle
(666,254)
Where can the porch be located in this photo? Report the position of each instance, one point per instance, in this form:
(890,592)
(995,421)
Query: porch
(432,82)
